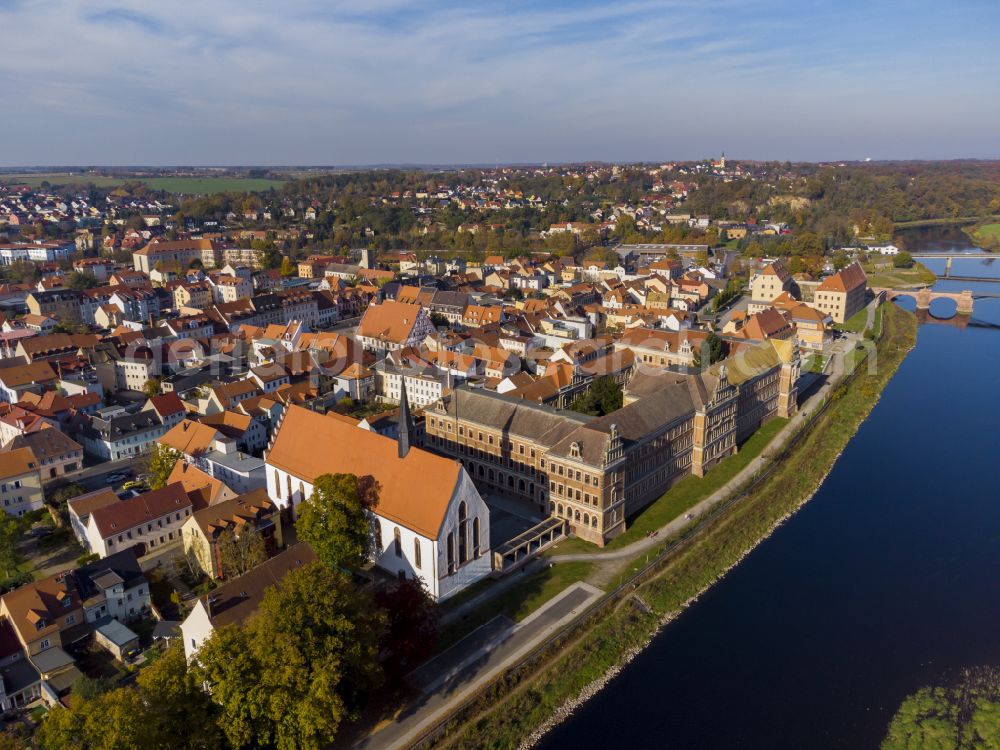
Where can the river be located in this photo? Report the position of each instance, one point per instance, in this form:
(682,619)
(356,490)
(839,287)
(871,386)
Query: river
(886,581)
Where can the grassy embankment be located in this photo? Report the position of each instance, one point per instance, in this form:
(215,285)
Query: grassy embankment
(986,236)
(531,592)
(530,695)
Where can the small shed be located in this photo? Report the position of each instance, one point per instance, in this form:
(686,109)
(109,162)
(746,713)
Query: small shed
(116,638)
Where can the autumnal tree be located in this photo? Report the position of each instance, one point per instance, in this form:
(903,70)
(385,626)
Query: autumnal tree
(287,267)
(166,709)
(238,553)
(160,464)
(412,624)
(335,519)
(153,386)
(182,715)
(300,666)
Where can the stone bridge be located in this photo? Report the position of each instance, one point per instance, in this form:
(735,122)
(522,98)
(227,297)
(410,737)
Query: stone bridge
(923,297)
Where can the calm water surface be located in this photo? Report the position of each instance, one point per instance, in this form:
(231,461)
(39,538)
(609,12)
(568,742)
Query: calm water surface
(888,580)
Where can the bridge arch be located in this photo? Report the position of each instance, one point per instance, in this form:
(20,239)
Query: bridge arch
(924,297)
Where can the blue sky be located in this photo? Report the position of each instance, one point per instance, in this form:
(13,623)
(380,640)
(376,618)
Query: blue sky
(387,81)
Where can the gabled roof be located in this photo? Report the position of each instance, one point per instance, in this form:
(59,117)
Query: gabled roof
(845,280)
(415,490)
(45,443)
(17,462)
(233,602)
(127,514)
(389,321)
(84,505)
(41,601)
(203,489)
(21,375)
(189,437)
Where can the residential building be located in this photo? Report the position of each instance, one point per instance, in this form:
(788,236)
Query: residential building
(20,482)
(248,513)
(388,325)
(121,436)
(148,521)
(113,587)
(771,281)
(55,452)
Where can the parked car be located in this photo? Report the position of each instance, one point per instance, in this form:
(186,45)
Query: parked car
(116,477)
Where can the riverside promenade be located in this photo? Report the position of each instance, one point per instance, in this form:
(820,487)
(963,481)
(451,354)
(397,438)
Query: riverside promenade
(458,672)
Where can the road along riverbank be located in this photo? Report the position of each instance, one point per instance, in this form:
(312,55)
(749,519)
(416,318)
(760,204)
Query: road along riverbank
(544,687)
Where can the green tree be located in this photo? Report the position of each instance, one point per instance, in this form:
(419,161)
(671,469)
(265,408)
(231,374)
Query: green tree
(81,280)
(602,396)
(67,492)
(160,464)
(335,519)
(902,259)
(86,688)
(300,666)
(11,530)
(238,553)
(713,347)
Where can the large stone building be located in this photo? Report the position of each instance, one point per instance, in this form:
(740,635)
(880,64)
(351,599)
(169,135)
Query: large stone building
(771,281)
(597,472)
(843,294)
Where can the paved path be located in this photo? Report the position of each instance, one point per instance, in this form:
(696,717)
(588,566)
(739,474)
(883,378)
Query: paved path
(473,662)
(496,587)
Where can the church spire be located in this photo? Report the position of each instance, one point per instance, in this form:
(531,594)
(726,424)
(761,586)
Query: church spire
(405,422)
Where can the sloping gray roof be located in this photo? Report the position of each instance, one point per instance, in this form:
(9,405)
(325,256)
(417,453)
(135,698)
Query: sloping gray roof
(542,424)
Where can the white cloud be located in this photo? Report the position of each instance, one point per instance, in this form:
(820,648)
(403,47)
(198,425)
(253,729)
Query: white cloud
(322,82)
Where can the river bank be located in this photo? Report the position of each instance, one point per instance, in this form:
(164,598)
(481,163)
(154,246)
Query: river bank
(921,223)
(986,235)
(536,695)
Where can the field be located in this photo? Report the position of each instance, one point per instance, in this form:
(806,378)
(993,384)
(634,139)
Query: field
(183,185)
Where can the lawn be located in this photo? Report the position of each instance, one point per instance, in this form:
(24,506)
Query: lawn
(518,601)
(896,278)
(183,185)
(856,323)
(987,236)
(684,495)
